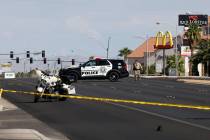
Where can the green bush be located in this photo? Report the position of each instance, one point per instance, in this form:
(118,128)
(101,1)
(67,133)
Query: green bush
(151,69)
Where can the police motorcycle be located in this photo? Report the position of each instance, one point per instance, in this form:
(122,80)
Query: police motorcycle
(51,86)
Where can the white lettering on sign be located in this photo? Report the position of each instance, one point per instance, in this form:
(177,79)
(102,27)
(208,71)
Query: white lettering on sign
(9,75)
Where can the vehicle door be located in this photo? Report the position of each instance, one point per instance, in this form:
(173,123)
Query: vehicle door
(89,69)
(104,67)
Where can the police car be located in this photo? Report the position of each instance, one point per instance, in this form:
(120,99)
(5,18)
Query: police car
(97,69)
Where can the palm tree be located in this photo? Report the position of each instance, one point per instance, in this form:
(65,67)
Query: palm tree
(124,52)
(203,53)
(205,49)
(193,36)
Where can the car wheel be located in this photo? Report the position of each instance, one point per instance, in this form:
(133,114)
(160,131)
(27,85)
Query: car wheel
(113,76)
(73,76)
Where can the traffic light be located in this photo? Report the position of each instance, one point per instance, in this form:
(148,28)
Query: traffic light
(73,62)
(27,54)
(11,54)
(45,60)
(43,53)
(31,60)
(17,60)
(59,61)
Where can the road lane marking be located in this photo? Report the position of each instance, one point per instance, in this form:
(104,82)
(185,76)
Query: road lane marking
(161,116)
(100,99)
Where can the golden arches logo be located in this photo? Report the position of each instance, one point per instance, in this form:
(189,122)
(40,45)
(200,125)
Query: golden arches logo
(164,45)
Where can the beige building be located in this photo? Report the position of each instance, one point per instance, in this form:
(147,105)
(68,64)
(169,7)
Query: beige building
(147,55)
(141,53)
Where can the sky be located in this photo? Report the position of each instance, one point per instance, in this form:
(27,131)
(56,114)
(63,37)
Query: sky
(80,28)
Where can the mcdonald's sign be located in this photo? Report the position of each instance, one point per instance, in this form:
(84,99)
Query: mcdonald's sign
(166,40)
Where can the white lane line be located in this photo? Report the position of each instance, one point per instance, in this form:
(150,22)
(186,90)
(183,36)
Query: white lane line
(161,116)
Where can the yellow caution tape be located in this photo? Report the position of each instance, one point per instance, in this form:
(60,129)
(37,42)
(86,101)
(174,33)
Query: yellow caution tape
(113,100)
(1,92)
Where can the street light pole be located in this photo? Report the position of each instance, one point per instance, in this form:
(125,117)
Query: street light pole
(107,49)
(147,48)
(147,69)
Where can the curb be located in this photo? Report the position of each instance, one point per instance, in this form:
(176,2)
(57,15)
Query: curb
(18,134)
(1,107)
(175,77)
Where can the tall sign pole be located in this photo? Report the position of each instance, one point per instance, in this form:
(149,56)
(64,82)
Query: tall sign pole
(164,44)
(176,53)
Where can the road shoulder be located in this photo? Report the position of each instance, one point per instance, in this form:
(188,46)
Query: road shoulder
(16,123)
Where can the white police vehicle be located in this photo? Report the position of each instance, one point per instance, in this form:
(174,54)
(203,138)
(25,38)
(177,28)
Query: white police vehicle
(111,69)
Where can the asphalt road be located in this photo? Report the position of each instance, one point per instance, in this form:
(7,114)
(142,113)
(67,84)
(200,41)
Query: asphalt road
(92,120)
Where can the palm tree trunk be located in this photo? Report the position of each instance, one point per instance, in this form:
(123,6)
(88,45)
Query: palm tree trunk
(191,64)
(190,69)
(208,71)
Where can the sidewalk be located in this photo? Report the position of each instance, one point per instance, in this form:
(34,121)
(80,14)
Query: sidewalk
(186,79)
(21,134)
(16,124)
(175,77)
(195,81)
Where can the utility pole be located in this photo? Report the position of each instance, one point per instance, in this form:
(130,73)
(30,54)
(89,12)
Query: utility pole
(107,49)
(48,67)
(24,66)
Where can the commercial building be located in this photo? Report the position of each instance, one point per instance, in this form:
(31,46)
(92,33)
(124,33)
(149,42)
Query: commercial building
(147,55)
(203,68)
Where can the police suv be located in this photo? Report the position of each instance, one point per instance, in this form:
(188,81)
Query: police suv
(97,69)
